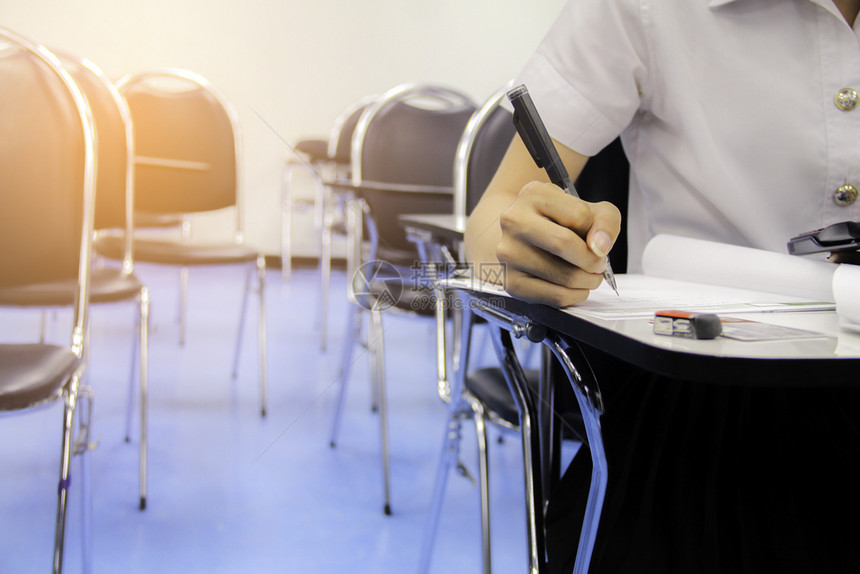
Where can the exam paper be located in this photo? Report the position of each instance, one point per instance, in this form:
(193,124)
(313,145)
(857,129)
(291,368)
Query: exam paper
(643,295)
(713,263)
(704,276)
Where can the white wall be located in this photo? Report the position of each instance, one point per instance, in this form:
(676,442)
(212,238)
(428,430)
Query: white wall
(296,63)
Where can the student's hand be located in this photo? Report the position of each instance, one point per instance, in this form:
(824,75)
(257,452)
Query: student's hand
(554,246)
(551,246)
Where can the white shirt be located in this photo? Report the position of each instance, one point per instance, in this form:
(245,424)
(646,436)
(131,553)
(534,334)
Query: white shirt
(725,107)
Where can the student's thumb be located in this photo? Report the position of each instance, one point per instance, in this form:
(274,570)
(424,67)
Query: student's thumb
(604,229)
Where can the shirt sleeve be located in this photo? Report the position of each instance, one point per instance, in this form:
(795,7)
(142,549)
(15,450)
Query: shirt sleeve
(588,76)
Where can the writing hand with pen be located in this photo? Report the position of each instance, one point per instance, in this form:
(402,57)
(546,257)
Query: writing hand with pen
(553,246)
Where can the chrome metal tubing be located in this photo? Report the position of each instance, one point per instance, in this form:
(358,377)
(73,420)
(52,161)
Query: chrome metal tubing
(82,446)
(144,391)
(183,304)
(452,394)
(591,406)
(240,332)
(353,333)
(515,378)
(129,403)
(480,419)
(447,460)
(262,343)
(325,264)
(375,338)
(69,405)
(287,219)
(260,266)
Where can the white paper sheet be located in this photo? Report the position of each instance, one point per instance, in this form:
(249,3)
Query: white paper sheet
(713,263)
(642,296)
(696,275)
(846,291)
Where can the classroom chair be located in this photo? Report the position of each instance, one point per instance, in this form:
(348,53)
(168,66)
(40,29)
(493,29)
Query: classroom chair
(47,202)
(328,161)
(187,161)
(402,158)
(311,155)
(114,200)
(483,395)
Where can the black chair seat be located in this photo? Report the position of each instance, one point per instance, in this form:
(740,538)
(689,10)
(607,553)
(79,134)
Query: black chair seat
(405,258)
(176,252)
(314,149)
(31,374)
(488,386)
(403,294)
(157,220)
(107,285)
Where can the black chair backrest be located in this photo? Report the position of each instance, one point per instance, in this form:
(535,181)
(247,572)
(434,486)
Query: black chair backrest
(481,149)
(408,140)
(487,153)
(340,140)
(111,130)
(43,170)
(185,143)
(411,145)
(606,177)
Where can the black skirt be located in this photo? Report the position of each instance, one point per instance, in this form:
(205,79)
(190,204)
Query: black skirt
(716,479)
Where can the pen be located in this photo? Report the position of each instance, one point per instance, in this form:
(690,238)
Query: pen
(534,135)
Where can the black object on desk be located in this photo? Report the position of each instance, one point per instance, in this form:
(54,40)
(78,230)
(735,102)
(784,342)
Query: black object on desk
(843,236)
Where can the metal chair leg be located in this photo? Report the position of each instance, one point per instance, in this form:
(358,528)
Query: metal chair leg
(484,478)
(240,332)
(325,271)
(129,403)
(261,333)
(69,405)
(517,385)
(286,222)
(43,327)
(183,304)
(144,392)
(447,460)
(353,334)
(591,407)
(375,339)
(261,329)
(82,447)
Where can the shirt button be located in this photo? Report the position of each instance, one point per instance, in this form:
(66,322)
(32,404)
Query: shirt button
(845,195)
(847,99)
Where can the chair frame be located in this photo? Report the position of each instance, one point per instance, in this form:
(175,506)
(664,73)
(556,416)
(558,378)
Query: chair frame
(327,213)
(238,205)
(356,210)
(125,81)
(73,389)
(461,404)
(536,414)
(143,302)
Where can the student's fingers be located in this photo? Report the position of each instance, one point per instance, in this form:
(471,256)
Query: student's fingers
(605,227)
(532,260)
(547,218)
(535,290)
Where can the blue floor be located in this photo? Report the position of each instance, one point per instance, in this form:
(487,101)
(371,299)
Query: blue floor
(230,491)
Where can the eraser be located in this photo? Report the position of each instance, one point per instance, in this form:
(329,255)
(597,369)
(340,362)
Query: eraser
(686,324)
